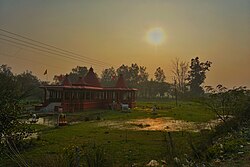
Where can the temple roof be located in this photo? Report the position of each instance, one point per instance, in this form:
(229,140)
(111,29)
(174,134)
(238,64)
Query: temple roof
(91,78)
(90,82)
(80,81)
(66,81)
(121,82)
(61,87)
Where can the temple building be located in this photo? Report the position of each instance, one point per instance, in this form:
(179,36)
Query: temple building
(87,93)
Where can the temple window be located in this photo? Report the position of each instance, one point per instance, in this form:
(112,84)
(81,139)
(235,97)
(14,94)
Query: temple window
(67,95)
(87,95)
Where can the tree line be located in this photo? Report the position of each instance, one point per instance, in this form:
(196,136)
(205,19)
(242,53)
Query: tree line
(25,83)
(187,78)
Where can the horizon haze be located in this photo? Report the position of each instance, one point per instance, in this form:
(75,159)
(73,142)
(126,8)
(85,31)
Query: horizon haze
(111,33)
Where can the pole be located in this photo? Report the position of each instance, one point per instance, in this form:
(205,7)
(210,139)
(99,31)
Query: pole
(46,77)
(176,94)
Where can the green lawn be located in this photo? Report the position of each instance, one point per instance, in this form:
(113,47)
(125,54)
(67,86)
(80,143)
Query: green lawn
(121,146)
(187,111)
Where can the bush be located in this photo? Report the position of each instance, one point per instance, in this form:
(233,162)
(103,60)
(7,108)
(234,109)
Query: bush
(90,155)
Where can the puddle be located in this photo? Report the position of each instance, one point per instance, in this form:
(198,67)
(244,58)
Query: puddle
(151,124)
(159,124)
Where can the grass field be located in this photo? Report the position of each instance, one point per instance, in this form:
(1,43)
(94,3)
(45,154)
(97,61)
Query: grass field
(122,147)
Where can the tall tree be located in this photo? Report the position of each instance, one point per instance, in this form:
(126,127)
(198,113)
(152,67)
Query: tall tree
(73,76)
(29,83)
(159,75)
(143,82)
(12,130)
(124,70)
(197,75)
(228,102)
(180,72)
(133,75)
(143,75)
(150,90)
(108,77)
(77,72)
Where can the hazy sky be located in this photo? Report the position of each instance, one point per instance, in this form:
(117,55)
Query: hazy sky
(114,31)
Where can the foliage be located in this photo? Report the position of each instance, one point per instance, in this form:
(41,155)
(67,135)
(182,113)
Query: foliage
(124,70)
(159,75)
(108,76)
(12,130)
(134,74)
(29,84)
(136,77)
(95,156)
(152,89)
(180,72)
(143,75)
(59,78)
(229,144)
(161,88)
(91,155)
(77,72)
(227,102)
(197,75)
(73,76)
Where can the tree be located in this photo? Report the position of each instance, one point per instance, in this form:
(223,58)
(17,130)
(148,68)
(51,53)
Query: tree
(180,72)
(133,75)
(77,72)
(73,76)
(159,75)
(124,70)
(29,84)
(143,75)
(162,87)
(12,130)
(58,78)
(227,102)
(197,75)
(108,77)
(151,89)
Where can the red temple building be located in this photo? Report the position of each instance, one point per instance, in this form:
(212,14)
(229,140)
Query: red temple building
(87,93)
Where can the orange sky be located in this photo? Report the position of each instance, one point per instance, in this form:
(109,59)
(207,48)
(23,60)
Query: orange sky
(115,32)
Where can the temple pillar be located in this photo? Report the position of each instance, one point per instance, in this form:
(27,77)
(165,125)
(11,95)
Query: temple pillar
(45,94)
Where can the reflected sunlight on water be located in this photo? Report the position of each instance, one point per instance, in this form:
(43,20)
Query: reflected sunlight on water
(164,123)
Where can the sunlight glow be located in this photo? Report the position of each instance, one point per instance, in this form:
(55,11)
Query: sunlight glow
(155,36)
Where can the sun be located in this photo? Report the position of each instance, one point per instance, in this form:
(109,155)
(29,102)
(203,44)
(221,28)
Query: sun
(155,36)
